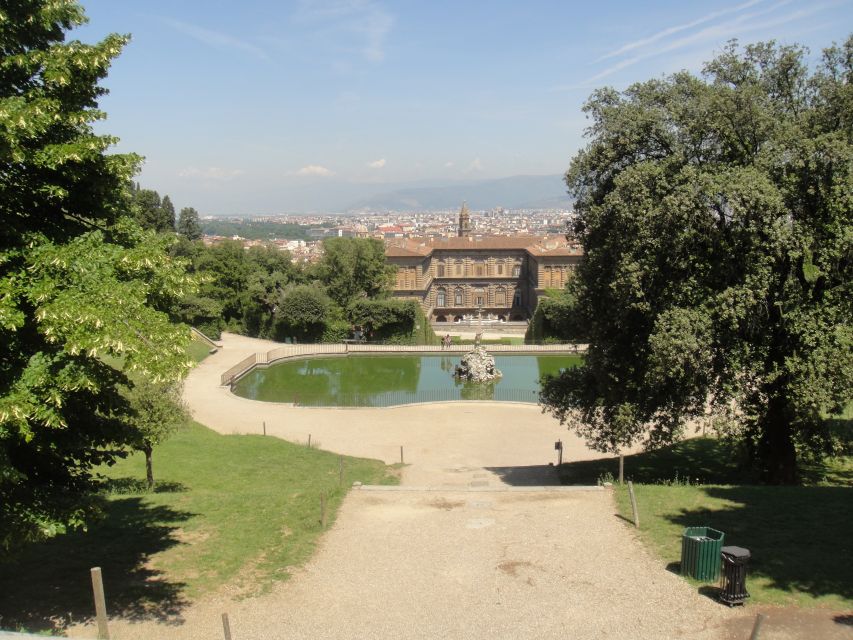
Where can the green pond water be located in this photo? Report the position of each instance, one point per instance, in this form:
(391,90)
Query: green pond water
(381,381)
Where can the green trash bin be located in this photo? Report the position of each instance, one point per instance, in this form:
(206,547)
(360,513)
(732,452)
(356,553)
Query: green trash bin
(700,553)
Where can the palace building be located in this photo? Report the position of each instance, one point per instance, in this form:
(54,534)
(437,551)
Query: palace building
(504,276)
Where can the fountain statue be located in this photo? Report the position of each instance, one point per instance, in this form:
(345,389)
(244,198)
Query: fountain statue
(477,365)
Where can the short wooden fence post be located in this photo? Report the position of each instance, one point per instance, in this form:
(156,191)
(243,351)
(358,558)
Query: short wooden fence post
(100,603)
(621,469)
(634,504)
(226,626)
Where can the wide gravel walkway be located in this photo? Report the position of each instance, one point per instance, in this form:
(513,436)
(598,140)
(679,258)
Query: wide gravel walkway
(471,557)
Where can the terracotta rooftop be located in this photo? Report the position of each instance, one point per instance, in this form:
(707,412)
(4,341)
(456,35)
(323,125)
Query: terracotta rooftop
(554,245)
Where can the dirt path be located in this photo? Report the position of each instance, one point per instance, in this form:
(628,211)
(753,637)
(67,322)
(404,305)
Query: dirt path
(414,564)
(472,557)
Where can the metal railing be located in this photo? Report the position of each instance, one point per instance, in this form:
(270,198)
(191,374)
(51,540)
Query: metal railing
(397,398)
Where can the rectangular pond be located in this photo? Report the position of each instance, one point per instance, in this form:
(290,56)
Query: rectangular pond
(388,380)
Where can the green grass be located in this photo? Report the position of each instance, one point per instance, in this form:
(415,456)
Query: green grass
(505,340)
(198,350)
(235,510)
(799,536)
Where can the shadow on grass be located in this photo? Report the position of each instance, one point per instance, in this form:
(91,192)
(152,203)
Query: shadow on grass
(540,475)
(701,460)
(799,537)
(48,586)
(126,485)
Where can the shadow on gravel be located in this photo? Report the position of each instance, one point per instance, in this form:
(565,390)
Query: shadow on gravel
(48,585)
(542,475)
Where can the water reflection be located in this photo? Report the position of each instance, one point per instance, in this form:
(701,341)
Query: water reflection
(392,380)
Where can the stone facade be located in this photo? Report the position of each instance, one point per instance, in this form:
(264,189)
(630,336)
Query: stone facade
(502,275)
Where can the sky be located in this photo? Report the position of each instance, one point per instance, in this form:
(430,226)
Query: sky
(269,106)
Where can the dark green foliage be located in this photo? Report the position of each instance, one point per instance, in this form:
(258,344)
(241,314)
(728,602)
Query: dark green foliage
(354,268)
(302,313)
(381,319)
(555,320)
(715,216)
(188,224)
(256,230)
(151,212)
(79,283)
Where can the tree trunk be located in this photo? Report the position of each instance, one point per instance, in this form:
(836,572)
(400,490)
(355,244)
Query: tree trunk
(776,453)
(149,469)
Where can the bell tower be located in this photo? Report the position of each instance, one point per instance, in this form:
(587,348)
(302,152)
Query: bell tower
(464,222)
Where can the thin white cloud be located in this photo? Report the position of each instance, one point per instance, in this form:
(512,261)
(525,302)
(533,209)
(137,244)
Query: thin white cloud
(712,35)
(315,170)
(448,164)
(365,21)
(215,38)
(677,29)
(377,164)
(210,173)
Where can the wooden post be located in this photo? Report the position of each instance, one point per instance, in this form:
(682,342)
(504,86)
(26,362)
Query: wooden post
(309,440)
(756,629)
(401,454)
(100,603)
(265,427)
(226,626)
(341,472)
(621,469)
(323,510)
(560,454)
(634,504)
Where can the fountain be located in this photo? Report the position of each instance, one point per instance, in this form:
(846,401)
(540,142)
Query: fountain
(477,365)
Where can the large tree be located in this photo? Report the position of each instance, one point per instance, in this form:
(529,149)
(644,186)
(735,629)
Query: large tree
(354,268)
(716,215)
(80,284)
(188,224)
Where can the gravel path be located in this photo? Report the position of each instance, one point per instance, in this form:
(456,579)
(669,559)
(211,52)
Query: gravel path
(491,565)
(469,558)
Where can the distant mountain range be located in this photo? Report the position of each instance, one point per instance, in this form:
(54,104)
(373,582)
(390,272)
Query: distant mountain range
(515,192)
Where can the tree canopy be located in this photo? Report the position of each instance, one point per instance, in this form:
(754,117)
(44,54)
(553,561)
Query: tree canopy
(715,215)
(80,282)
(354,268)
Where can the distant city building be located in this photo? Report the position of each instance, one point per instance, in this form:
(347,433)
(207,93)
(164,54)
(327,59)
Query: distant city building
(503,276)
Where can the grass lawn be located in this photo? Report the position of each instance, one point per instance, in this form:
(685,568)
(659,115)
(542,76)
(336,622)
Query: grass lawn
(505,340)
(800,537)
(198,350)
(235,510)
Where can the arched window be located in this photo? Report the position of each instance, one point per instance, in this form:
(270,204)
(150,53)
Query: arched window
(516,271)
(457,297)
(441,298)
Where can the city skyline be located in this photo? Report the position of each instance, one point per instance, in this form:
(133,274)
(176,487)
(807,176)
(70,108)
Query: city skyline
(271,107)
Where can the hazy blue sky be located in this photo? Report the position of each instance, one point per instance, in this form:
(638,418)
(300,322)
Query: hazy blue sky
(253,106)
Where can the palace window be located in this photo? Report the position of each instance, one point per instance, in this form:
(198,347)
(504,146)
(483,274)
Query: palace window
(441,298)
(440,269)
(500,297)
(479,268)
(500,268)
(516,271)
(457,297)
(458,270)
(516,301)
(479,297)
